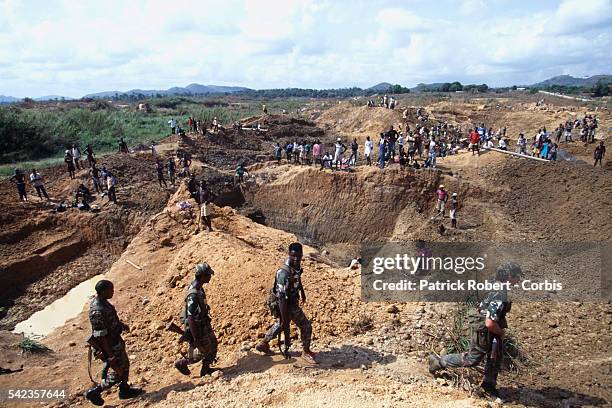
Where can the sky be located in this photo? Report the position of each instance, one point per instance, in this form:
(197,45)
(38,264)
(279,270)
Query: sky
(71,48)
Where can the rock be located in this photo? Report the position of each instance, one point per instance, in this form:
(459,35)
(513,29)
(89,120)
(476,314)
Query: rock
(216,375)
(392,309)
(145,301)
(253,322)
(72,344)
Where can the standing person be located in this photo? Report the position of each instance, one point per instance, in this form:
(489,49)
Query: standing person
(159,166)
(284,303)
(69,163)
(544,151)
(172,170)
(37,181)
(367,150)
(340,148)
(106,333)
(172,124)
(94,173)
(568,131)
(215,124)
(521,144)
(90,155)
(198,329)
(264,109)
(474,140)
(316,152)
(205,197)
(381,151)
(288,151)
(278,153)
(111,181)
(454,206)
(76,156)
(19,179)
(442,198)
(353,157)
(599,153)
(488,326)
(240,171)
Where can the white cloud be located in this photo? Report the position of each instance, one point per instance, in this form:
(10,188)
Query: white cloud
(74,48)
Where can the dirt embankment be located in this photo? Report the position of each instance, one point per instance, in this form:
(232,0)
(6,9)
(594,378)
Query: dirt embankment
(333,207)
(45,254)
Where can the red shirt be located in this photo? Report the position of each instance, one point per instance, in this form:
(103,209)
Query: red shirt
(474,137)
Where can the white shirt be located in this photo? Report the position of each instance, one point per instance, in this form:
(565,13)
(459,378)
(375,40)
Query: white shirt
(502,143)
(36,179)
(368,147)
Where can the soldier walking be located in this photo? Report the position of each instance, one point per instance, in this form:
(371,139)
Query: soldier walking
(284,303)
(198,329)
(106,332)
(487,326)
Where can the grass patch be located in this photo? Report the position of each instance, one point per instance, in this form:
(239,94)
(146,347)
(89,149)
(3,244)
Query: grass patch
(29,345)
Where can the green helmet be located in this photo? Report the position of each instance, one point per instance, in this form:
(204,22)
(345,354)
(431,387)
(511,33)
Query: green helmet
(508,270)
(202,269)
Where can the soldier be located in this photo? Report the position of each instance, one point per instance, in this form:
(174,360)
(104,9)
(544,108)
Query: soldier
(284,305)
(107,329)
(487,326)
(198,330)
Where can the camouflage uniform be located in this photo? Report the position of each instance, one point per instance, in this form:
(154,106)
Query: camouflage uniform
(288,284)
(197,308)
(106,323)
(494,307)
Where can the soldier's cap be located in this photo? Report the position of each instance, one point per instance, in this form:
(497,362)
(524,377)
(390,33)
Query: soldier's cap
(507,270)
(202,269)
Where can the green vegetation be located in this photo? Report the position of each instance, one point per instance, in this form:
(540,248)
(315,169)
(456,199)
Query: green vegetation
(603,87)
(458,340)
(29,345)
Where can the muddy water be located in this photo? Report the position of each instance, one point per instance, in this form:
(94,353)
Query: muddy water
(57,313)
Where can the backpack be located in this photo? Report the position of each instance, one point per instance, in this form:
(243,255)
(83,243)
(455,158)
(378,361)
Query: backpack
(203,306)
(272,301)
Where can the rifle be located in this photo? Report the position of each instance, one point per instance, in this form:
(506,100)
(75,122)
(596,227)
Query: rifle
(171,327)
(497,350)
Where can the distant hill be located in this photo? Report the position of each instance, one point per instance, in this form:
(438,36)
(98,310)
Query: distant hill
(568,80)
(8,99)
(191,89)
(427,87)
(383,86)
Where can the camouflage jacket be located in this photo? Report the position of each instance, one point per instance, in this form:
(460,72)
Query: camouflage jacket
(104,319)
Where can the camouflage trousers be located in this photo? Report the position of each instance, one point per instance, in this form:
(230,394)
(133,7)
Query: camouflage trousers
(479,349)
(297,316)
(119,369)
(207,350)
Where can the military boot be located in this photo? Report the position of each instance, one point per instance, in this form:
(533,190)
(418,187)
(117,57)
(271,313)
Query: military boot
(206,370)
(181,366)
(434,364)
(490,389)
(94,395)
(126,391)
(263,347)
